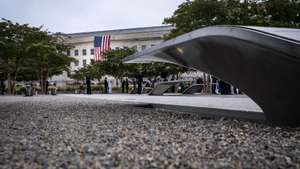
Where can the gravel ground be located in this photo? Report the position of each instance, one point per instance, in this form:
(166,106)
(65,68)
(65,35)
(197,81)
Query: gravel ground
(65,132)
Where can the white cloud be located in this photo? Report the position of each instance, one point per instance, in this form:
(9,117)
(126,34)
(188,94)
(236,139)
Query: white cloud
(88,15)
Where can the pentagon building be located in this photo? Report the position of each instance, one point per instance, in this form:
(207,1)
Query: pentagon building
(83,44)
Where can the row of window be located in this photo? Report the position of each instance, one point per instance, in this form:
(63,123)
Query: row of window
(76,63)
(76,51)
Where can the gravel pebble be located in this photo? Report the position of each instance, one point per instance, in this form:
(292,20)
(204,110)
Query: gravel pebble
(64,132)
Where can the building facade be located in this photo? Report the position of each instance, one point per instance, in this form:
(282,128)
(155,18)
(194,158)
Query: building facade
(83,44)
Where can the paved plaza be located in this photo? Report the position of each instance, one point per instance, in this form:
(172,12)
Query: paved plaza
(228,102)
(230,106)
(80,131)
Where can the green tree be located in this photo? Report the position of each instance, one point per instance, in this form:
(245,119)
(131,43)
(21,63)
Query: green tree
(196,14)
(29,53)
(49,59)
(80,74)
(112,65)
(115,66)
(14,38)
(192,15)
(154,70)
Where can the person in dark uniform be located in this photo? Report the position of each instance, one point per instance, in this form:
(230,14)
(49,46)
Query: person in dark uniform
(221,87)
(126,85)
(199,80)
(164,75)
(182,87)
(47,85)
(105,85)
(2,87)
(140,83)
(88,84)
(224,88)
(123,85)
(214,85)
(228,89)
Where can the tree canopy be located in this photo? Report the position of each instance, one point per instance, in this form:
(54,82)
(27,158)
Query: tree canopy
(114,66)
(30,53)
(195,14)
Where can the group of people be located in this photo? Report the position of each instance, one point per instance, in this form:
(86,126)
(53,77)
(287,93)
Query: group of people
(219,86)
(138,80)
(107,85)
(124,84)
(51,88)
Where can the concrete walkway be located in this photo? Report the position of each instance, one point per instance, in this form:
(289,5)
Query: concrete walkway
(229,102)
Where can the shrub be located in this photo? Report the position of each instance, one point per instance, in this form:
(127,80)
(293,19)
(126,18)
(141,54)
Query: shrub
(19,89)
(97,88)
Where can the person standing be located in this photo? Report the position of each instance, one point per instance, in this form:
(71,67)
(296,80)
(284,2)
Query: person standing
(214,85)
(222,86)
(126,85)
(182,87)
(88,85)
(140,83)
(228,89)
(109,86)
(199,81)
(47,86)
(123,85)
(2,87)
(105,85)
(54,89)
(154,82)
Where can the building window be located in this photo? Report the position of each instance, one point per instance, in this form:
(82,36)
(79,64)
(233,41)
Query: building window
(68,53)
(92,61)
(76,52)
(76,63)
(92,51)
(83,52)
(144,47)
(84,62)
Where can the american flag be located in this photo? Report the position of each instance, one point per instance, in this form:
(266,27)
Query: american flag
(101,45)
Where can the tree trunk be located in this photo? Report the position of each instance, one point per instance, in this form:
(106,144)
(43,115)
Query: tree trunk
(14,82)
(9,83)
(45,80)
(41,81)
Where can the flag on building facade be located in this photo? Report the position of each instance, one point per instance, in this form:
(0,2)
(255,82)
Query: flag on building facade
(101,45)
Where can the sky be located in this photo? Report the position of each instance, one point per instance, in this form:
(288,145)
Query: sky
(69,16)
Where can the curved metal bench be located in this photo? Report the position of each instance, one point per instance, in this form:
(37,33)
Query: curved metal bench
(163,87)
(196,88)
(263,62)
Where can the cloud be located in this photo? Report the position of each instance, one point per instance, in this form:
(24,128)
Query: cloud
(88,15)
